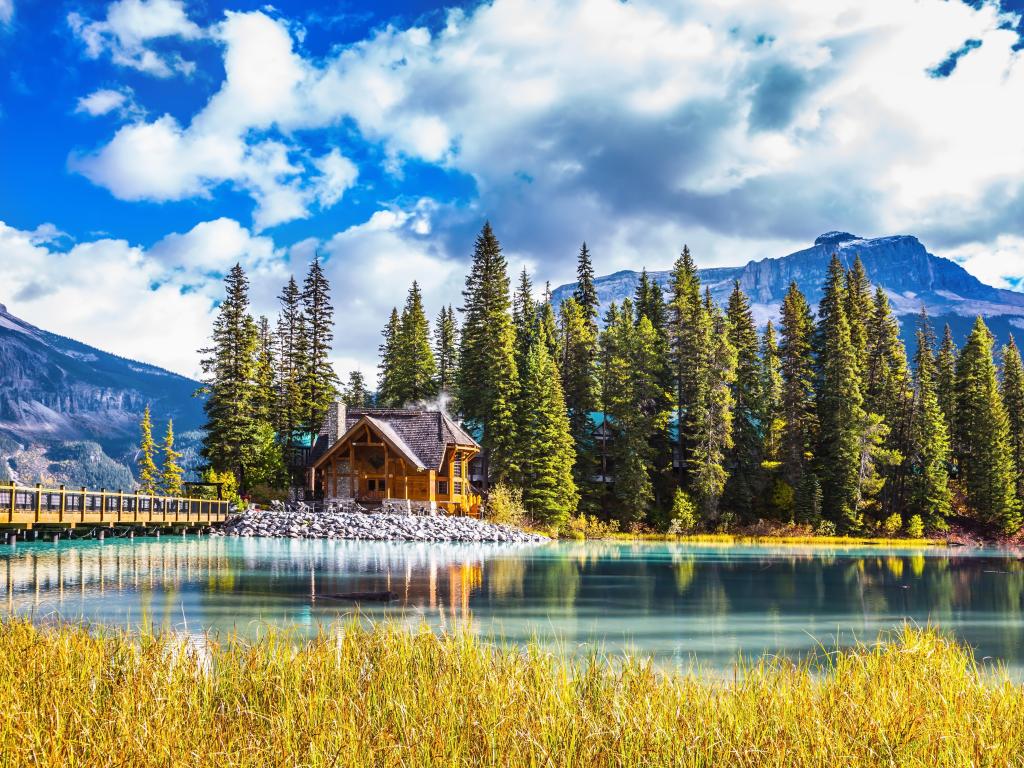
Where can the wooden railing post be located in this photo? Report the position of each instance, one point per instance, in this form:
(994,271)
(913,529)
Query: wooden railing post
(39,500)
(63,503)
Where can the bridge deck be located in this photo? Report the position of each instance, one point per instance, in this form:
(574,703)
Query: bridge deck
(27,507)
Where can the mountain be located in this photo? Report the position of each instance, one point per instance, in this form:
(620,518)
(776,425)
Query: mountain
(900,264)
(70,413)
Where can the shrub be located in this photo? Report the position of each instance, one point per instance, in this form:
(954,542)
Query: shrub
(684,514)
(915,527)
(504,505)
(588,527)
(230,489)
(825,528)
(892,524)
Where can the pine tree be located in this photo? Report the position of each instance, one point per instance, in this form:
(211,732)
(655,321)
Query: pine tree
(712,409)
(547,327)
(265,397)
(770,405)
(1012,390)
(293,350)
(928,456)
(546,463)
(841,416)
(585,292)
(799,412)
(945,381)
(858,311)
(578,345)
(687,334)
(319,382)
(171,474)
(524,319)
(744,458)
(147,449)
(229,375)
(446,342)
(808,500)
(415,371)
(487,379)
(983,435)
(388,383)
(356,395)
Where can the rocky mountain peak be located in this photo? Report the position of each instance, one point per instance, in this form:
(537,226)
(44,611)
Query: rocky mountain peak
(832,238)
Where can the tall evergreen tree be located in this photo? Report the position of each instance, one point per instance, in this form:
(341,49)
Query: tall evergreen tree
(770,405)
(388,375)
(415,371)
(945,380)
(265,397)
(585,292)
(546,462)
(229,374)
(1012,390)
(320,382)
(488,380)
(858,311)
(799,413)
(841,415)
(983,435)
(547,327)
(293,349)
(446,352)
(147,449)
(743,460)
(578,345)
(928,457)
(649,301)
(687,335)
(524,318)
(171,474)
(712,409)
(355,394)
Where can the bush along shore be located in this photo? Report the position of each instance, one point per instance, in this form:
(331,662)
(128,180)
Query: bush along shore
(388,696)
(300,522)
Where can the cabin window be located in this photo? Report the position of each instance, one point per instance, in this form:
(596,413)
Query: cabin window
(457,467)
(442,487)
(458,488)
(374,484)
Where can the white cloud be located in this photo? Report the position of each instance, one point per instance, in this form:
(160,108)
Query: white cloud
(129,26)
(106,100)
(6,11)
(999,263)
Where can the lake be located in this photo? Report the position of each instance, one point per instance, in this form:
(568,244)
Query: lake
(678,602)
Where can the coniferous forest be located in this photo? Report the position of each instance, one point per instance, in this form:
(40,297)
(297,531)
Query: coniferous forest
(668,412)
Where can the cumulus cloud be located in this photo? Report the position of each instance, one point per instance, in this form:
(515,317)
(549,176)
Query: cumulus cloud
(6,11)
(107,100)
(127,29)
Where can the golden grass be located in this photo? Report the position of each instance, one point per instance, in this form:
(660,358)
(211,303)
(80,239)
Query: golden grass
(390,697)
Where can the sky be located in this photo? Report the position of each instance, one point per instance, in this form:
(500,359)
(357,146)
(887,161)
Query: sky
(146,146)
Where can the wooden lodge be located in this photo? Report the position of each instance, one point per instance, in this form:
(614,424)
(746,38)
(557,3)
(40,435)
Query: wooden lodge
(410,460)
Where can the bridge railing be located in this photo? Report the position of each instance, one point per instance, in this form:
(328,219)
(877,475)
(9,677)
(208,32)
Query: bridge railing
(22,505)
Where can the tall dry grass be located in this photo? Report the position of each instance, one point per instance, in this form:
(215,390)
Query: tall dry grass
(389,697)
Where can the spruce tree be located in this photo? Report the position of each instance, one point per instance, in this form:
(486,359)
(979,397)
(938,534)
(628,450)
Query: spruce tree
(578,345)
(799,412)
(147,449)
(770,405)
(649,301)
(265,397)
(415,371)
(1012,390)
(687,335)
(388,375)
(320,382)
(712,423)
(546,463)
(945,380)
(744,458)
(841,415)
(446,353)
(858,311)
(229,381)
(985,457)
(585,292)
(808,500)
(293,346)
(355,394)
(487,378)
(928,457)
(547,327)
(171,473)
(524,318)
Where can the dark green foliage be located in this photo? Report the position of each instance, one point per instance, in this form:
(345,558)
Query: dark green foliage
(687,337)
(446,349)
(265,398)
(578,345)
(945,380)
(319,381)
(744,458)
(487,379)
(770,404)
(388,368)
(524,319)
(1012,390)
(585,293)
(982,442)
(799,414)
(414,373)
(547,327)
(809,500)
(859,310)
(355,393)
(293,354)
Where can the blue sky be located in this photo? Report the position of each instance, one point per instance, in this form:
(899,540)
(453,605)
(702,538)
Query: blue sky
(147,145)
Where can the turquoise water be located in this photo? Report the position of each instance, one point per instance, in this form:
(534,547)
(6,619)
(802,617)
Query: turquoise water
(678,602)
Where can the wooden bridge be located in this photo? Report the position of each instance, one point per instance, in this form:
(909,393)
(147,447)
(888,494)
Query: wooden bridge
(24,507)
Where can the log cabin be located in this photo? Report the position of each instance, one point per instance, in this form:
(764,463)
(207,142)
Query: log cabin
(412,460)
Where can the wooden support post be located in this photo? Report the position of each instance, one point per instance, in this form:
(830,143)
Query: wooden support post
(63,503)
(39,500)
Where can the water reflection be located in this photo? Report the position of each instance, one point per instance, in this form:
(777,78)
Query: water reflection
(678,602)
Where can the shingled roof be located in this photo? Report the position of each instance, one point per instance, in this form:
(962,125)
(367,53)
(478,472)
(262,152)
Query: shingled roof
(424,434)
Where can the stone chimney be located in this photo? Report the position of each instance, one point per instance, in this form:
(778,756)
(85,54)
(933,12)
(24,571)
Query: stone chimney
(334,424)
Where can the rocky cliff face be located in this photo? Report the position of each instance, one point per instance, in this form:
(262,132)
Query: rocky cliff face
(56,391)
(900,264)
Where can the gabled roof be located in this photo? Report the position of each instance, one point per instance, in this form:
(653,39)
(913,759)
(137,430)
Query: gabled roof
(420,436)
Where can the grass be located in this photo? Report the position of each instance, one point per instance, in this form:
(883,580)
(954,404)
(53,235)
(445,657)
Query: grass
(385,696)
